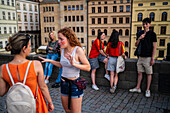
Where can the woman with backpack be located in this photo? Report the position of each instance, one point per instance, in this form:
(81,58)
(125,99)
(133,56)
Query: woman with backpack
(53,51)
(20,46)
(114,49)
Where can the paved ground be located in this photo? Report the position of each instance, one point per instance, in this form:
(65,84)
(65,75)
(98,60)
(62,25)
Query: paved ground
(103,102)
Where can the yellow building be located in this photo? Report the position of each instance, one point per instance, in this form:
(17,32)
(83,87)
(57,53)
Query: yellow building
(49,17)
(107,15)
(159,13)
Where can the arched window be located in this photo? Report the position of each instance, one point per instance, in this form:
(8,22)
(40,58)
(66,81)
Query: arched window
(99,31)
(140,16)
(120,32)
(126,44)
(105,31)
(152,16)
(127,32)
(93,32)
(164,16)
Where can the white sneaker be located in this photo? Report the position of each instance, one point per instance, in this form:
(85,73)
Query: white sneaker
(148,93)
(95,87)
(46,81)
(107,77)
(135,90)
(112,90)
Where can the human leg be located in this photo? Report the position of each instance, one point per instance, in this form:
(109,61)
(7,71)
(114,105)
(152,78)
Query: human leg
(111,78)
(58,80)
(76,105)
(46,66)
(64,100)
(115,79)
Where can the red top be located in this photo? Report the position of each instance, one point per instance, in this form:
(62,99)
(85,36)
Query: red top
(115,51)
(95,49)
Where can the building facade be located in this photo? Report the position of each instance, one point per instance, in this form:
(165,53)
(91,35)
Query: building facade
(107,15)
(159,13)
(50,19)
(73,14)
(8,21)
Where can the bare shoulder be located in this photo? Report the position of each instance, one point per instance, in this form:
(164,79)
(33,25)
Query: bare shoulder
(37,64)
(79,50)
(1,68)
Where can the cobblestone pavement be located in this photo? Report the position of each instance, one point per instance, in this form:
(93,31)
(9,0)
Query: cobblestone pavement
(104,102)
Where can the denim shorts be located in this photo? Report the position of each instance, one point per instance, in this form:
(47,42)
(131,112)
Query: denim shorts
(111,66)
(75,92)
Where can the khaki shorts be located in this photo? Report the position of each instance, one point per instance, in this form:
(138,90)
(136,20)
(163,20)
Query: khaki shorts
(143,65)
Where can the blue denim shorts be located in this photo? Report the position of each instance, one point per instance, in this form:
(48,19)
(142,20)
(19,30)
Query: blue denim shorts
(75,93)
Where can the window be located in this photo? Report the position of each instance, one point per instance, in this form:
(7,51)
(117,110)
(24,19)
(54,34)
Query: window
(73,7)
(77,7)
(140,4)
(165,3)
(164,16)
(31,18)
(1,45)
(99,2)
(3,13)
(31,28)
(151,28)
(92,3)
(121,1)
(9,16)
(152,16)
(13,14)
(93,20)
(35,8)
(99,31)
(6,42)
(25,18)
(82,29)
(52,19)
(69,18)
(139,29)
(47,29)
(15,30)
(36,18)
(161,53)
(74,29)
(49,8)
(46,8)
(162,42)
(19,28)
(128,8)
(10,30)
(8,3)
(0,30)
(99,10)
(120,32)
(46,39)
(18,5)
(77,29)
(140,16)
(82,18)
(65,8)
(47,19)
(43,9)
(121,8)
(120,20)
(69,7)
(81,7)
(2,2)
(151,4)
(105,2)
(114,8)
(73,17)
(82,40)
(65,18)
(5,31)
(99,20)
(52,8)
(105,20)
(19,18)
(12,2)
(26,28)
(36,27)
(126,44)
(163,30)
(44,19)
(30,7)
(93,32)
(114,20)
(114,2)
(93,9)
(128,1)
(77,18)
(24,7)
(127,19)
(105,31)
(126,32)
(105,9)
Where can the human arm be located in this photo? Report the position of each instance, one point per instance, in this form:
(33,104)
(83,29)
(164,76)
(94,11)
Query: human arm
(153,54)
(4,86)
(41,83)
(82,58)
(56,63)
(139,39)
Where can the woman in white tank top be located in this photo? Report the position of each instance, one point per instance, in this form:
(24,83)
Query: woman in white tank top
(72,61)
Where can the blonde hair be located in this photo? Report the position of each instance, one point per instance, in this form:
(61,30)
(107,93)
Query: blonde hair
(17,42)
(71,36)
(55,35)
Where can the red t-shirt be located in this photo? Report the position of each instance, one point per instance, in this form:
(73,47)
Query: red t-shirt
(95,49)
(115,51)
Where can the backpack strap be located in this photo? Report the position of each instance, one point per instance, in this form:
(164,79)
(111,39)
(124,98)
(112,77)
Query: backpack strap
(9,73)
(27,72)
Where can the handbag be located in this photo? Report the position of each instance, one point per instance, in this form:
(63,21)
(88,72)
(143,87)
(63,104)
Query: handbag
(120,67)
(138,50)
(80,83)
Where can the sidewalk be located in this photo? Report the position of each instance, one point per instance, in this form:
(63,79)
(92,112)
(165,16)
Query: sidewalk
(104,102)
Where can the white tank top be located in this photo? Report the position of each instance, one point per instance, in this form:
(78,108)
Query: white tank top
(69,71)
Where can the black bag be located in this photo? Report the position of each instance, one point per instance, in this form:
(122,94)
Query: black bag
(138,50)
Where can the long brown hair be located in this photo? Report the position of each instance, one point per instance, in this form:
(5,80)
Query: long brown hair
(71,36)
(55,35)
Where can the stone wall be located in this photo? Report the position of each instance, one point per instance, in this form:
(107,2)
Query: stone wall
(127,79)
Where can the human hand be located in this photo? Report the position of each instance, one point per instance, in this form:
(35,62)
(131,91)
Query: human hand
(152,62)
(142,36)
(50,106)
(70,58)
(44,60)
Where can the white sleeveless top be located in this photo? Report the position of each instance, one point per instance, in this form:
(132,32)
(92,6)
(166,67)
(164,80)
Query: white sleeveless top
(69,71)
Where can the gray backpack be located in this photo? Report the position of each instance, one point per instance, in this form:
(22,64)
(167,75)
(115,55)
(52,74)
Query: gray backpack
(20,98)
